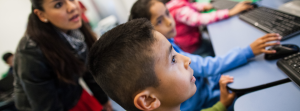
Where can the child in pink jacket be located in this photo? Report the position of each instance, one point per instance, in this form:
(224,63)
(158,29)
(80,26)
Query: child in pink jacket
(188,18)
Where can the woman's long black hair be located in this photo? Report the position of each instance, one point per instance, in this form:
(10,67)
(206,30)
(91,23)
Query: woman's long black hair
(63,62)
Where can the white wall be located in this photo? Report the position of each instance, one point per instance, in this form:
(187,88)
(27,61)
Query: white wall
(92,13)
(119,8)
(14,14)
(123,9)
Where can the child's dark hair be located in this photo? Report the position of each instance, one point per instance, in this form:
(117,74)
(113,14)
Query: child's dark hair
(6,56)
(122,62)
(141,9)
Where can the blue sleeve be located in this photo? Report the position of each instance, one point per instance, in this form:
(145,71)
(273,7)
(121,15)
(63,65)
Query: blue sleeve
(210,66)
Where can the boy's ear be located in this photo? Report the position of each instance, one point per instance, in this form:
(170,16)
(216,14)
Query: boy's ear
(146,101)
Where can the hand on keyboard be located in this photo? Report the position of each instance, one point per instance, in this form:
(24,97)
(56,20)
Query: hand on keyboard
(259,45)
(242,6)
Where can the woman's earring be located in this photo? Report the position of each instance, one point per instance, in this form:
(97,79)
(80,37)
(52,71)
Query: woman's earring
(46,20)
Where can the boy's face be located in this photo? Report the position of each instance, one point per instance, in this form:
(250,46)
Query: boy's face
(177,83)
(10,61)
(162,21)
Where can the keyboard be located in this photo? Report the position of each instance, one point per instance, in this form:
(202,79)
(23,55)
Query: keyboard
(223,4)
(290,65)
(273,21)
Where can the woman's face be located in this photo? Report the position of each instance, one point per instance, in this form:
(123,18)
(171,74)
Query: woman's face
(64,14)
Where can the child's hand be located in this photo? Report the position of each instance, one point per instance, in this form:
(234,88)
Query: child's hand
(226,98)
(242,6)
(207,7)
(259,45)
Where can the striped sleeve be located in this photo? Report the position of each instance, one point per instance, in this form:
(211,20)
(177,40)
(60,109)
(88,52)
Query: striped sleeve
(192,17)
(199,6)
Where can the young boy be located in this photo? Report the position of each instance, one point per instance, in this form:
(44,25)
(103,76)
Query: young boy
(8,59)
(208,70)
(139,69)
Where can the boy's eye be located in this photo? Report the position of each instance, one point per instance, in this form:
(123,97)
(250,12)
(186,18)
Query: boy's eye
(58,5)
(173,59)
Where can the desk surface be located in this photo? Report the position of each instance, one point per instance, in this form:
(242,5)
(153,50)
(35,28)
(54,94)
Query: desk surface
(267,99)
(233,32)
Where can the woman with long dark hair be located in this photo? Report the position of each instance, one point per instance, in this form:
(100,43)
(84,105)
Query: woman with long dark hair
(51,58)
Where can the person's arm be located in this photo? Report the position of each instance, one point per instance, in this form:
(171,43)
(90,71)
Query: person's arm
(209,66)
(37,81)
(201,6)
(242,6)
(192,17)
(98,93)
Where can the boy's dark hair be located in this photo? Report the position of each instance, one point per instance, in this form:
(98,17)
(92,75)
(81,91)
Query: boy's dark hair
(6,56)
(141,9)
(122,62)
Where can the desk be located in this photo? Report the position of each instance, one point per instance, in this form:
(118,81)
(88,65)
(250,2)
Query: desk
(233,32)
(267,99)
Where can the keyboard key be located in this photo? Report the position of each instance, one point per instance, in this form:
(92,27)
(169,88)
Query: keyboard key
(291,67)
(295,65)
(290,62)
(297,69)
(295,60)
(273,21)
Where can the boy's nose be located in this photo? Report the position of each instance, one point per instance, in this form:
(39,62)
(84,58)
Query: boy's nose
(187,62)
